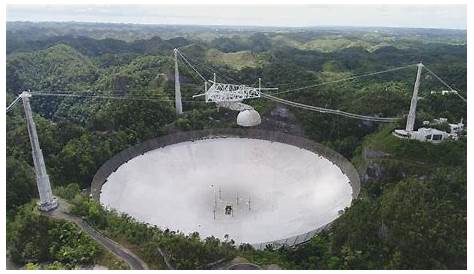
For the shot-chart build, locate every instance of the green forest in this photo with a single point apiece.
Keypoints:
(412, 210)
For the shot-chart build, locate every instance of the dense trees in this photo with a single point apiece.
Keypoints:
(430, 233)
(21, 185)
(34, 238)
(59, 67)
(184, 251)
(79, 158)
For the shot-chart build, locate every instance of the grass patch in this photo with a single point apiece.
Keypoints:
(236, 60)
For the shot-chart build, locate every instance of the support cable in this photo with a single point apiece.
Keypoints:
(10, 107)
(227, 77)
(42, 93)
(212, 69)
(445, 84)
(344, 79)
(331, 111)
(186, 60)
(193, 75)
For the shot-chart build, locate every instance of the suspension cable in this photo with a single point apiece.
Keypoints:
(220, 74)
(212, 70)
(42, 93)
(331, 111)
(224, 76)
(10, 107)
(186, 60)
(193, 75)
(94, 93)
(445, 84)
(344, 79)
(319, 109)
(314, 80)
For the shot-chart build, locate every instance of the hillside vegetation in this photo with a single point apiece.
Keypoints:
(235, 60)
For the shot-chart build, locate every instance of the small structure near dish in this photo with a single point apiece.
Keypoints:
(426, 133)
(432, 135)
(444, 92)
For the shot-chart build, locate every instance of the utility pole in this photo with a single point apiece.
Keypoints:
(412, 114)
(177, 87)
(47, 201)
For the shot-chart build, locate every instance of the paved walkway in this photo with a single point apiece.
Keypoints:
(118, 250)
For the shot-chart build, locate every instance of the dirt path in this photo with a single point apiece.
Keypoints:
(123, 253)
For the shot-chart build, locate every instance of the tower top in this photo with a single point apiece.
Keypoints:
(25, 94)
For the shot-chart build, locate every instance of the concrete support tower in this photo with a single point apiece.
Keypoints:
(414, 99)
(47, 201)
(177, 87)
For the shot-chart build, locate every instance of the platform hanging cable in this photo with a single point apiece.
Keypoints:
(221, 74)
(344, 79)
(224, 76)
(133, 98)
(326, 110)
(10, 107)
(211, 69)
(336, 111)
(190, 65)
(331, 111)
(445, 84)
(319, 109)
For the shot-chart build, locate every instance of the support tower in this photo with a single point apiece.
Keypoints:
(47, 201)
(177, 87)
(414, 99)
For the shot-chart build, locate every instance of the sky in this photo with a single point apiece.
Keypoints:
(415, 16)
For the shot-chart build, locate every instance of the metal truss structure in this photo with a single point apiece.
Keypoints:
(220, 92)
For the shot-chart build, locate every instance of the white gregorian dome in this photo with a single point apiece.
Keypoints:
(248, 118)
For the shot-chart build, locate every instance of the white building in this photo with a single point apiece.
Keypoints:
(426, 133)
(432, 135)
(444, 92)
(456, 128)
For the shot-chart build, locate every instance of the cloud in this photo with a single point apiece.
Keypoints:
(427, 16)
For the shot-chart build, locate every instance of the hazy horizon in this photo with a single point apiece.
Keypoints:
(232, 26)
(288, 16)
